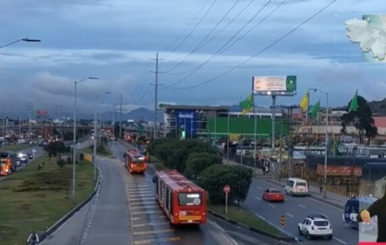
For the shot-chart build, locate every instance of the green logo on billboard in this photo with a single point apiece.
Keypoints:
(291, 83)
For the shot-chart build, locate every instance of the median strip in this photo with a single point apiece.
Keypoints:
(35, 197)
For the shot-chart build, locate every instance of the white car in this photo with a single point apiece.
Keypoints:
(315, 225)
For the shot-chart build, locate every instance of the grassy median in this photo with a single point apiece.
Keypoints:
(17, 147)
(103, 151)
(38, 196)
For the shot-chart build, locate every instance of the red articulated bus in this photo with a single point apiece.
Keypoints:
(135, 162)
(182, 201)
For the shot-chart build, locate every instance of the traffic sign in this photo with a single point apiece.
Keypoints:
(227, 189)
(282, 220)
(267, 166)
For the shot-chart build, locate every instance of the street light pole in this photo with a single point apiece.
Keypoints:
(74, 134)
(325, 140)
(21, 40)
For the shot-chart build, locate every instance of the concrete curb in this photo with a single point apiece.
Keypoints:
(264, 233)
(47, 233)
(311, 196)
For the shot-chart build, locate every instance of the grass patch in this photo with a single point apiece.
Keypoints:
(157, 163)
(243, 216)
(39, 195)
(17, 147)
(105, 152)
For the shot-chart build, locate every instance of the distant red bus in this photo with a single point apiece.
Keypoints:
(183, 202)
(135, 162)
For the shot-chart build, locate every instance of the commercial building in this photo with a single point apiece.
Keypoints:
(213, 121)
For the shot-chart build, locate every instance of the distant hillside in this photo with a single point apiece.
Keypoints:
(137, 114)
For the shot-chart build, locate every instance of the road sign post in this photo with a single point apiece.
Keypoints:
(226, 189)
(282, 221)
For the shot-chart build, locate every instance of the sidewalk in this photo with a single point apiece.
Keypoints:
(333, 199)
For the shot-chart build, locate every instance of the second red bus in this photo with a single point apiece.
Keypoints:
(182, 201)
(135, 162)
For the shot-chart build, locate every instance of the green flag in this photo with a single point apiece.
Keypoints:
(354, 103)
(315, 109)
(247, 104)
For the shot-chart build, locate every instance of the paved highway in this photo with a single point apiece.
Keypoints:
(158, 230)
(295, 209)
(105, 220)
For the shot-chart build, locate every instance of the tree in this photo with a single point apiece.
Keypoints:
(214, 178)
(116, 129)
(198, 162)
(174, 153)
(362, 120)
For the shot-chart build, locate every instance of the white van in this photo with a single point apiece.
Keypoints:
(296, 187)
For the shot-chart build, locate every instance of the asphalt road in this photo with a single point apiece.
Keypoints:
(105, 220)
(214, 232)
(295, 209)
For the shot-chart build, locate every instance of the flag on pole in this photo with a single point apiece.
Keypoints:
(304, 102)
(353, 103)
(315, 109)
(247, 104)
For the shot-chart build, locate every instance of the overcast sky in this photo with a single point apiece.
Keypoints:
(199, 42)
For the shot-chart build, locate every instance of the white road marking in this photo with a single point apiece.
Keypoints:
(301, 206)
(290, 215)
(315, 200)
(271, 205)
(336, 239)
(258, 187)
(258, 198)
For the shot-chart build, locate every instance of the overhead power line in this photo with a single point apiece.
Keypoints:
(191, 31)
(206, 37)
(216, 35)
(223, 48)
(264, 49)
(186, 28)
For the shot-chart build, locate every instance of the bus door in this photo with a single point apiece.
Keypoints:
(351, 211)
(191, 207)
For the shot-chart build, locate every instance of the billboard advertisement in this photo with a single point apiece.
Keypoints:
(369, 34)
(274, 85)
(186, 121)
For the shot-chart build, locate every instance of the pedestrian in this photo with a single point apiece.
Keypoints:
(33, 239)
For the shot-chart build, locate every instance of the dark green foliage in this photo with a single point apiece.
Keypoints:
(214, 178)
(174, 153)
(362, 120)
(61, 163)
(56, 147)
(100, 149)
(198, 162)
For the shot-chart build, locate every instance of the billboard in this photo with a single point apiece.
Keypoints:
(186, 121)
(369, 34)
(164, 105)
(274, 85)
(42, 114)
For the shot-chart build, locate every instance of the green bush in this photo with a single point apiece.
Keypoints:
(61, 163)
(214, 178)
(198, 162)
(174, 153)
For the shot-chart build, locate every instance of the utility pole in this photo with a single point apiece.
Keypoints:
(114, 120)
(290, 123)
(120, 116)
(156, 86)
(30, 108)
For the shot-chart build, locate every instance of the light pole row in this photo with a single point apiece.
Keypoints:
(325, 140)
(75, 129)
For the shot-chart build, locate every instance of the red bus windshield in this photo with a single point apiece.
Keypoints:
(189, 199)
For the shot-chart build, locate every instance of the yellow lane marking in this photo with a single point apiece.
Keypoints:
(144, 207)
(155, 241)
(141, 218)
(152, 232)
(151, 224)
(147, 212)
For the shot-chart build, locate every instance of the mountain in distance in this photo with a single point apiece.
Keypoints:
(136, 114)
